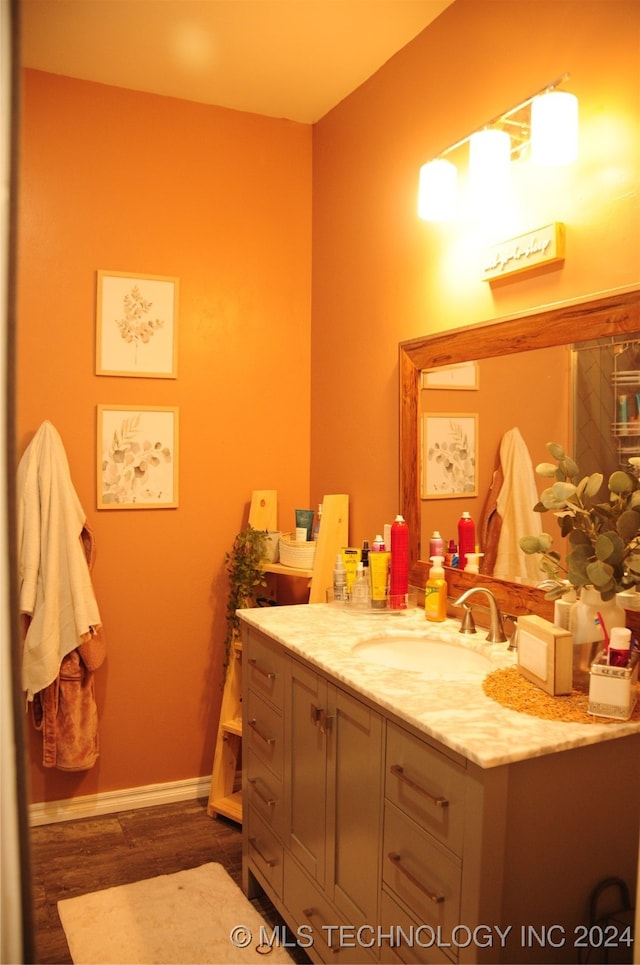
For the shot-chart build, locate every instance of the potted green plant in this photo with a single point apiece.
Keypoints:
(604, 535)
(246, 578)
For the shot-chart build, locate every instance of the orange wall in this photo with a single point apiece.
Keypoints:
(117, 180)
(381, 275)
(125, 181)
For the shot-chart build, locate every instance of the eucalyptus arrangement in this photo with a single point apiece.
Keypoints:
(604, 535)
(246, 578)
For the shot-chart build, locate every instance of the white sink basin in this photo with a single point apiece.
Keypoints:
(421, 655)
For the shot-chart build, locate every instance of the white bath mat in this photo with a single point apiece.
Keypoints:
(195, 916)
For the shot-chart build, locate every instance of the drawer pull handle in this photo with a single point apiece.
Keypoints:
(398, 771)
(270, 862)
(265, 673)
(397, 861)
(269, 801)
(268, 740)
(309, 915)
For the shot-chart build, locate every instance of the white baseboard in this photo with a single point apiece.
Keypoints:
(92, 805)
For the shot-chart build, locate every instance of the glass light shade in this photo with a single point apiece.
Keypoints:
(554, 128)
(437, 190)
(489, 168)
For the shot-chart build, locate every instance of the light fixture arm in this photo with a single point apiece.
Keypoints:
(506, 115)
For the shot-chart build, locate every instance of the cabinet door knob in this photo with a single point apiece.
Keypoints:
(325, 722)
(253, 724)
(396, 859)
(398, 771)
(320, 716)
(265, 673)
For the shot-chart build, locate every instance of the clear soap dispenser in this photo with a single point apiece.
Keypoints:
(360, 593)
(339, 579)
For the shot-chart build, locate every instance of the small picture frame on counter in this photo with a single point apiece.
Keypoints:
(545, 655)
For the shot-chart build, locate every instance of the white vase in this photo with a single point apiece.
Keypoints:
(587, 632)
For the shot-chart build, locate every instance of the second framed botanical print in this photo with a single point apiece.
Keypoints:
(449, 455)
(137, 452)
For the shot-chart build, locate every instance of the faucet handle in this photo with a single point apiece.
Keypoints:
(467, 624)
(496, 632)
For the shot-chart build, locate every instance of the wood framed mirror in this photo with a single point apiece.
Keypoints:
(601, 316)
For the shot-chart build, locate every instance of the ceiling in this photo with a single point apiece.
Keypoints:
(284, 58)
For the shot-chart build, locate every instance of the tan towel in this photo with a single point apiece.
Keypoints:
(516, 499)
(54, 583)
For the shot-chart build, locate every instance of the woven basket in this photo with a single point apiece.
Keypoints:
(296, 554)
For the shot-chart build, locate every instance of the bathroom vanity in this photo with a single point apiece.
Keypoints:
(401, 815)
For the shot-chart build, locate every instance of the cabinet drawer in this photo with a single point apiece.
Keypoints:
(265, 793)
(262, 732)
(333, 940)
(420, 872)
(426, 785)
(412, 943)
(264, 668)
(264, 850)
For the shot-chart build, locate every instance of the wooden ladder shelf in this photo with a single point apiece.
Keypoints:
(225, 796)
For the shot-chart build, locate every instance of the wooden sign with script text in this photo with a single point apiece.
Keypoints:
(540, 247)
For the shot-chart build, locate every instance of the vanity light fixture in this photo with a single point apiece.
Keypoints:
(544, 125)
(489, 167)
(437, 194)
(554, 128)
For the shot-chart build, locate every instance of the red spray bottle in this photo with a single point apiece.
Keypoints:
(399, 581)
(466, 539)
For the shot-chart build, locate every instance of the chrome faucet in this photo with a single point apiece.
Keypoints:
(496, 632)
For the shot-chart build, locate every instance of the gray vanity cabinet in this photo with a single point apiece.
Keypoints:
(322, 869)
(356, 819)
(266, 819)
(333, 747)
(424, 821)
(334, 783)
(354, 788)
(308, 736)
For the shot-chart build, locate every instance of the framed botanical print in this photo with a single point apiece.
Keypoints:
(136, 325)
(449, 455)
(137, 457)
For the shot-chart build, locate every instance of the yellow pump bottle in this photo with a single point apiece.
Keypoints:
(435, 592)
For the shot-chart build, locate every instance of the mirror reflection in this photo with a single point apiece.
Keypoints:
(518, 403)
(503, 400)
(565, 375)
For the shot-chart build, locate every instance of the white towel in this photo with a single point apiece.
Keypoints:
(54, 584)
(516, 499)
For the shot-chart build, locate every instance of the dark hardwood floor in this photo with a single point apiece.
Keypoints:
(75, 857)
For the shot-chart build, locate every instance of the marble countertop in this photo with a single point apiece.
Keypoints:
(452, 708)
